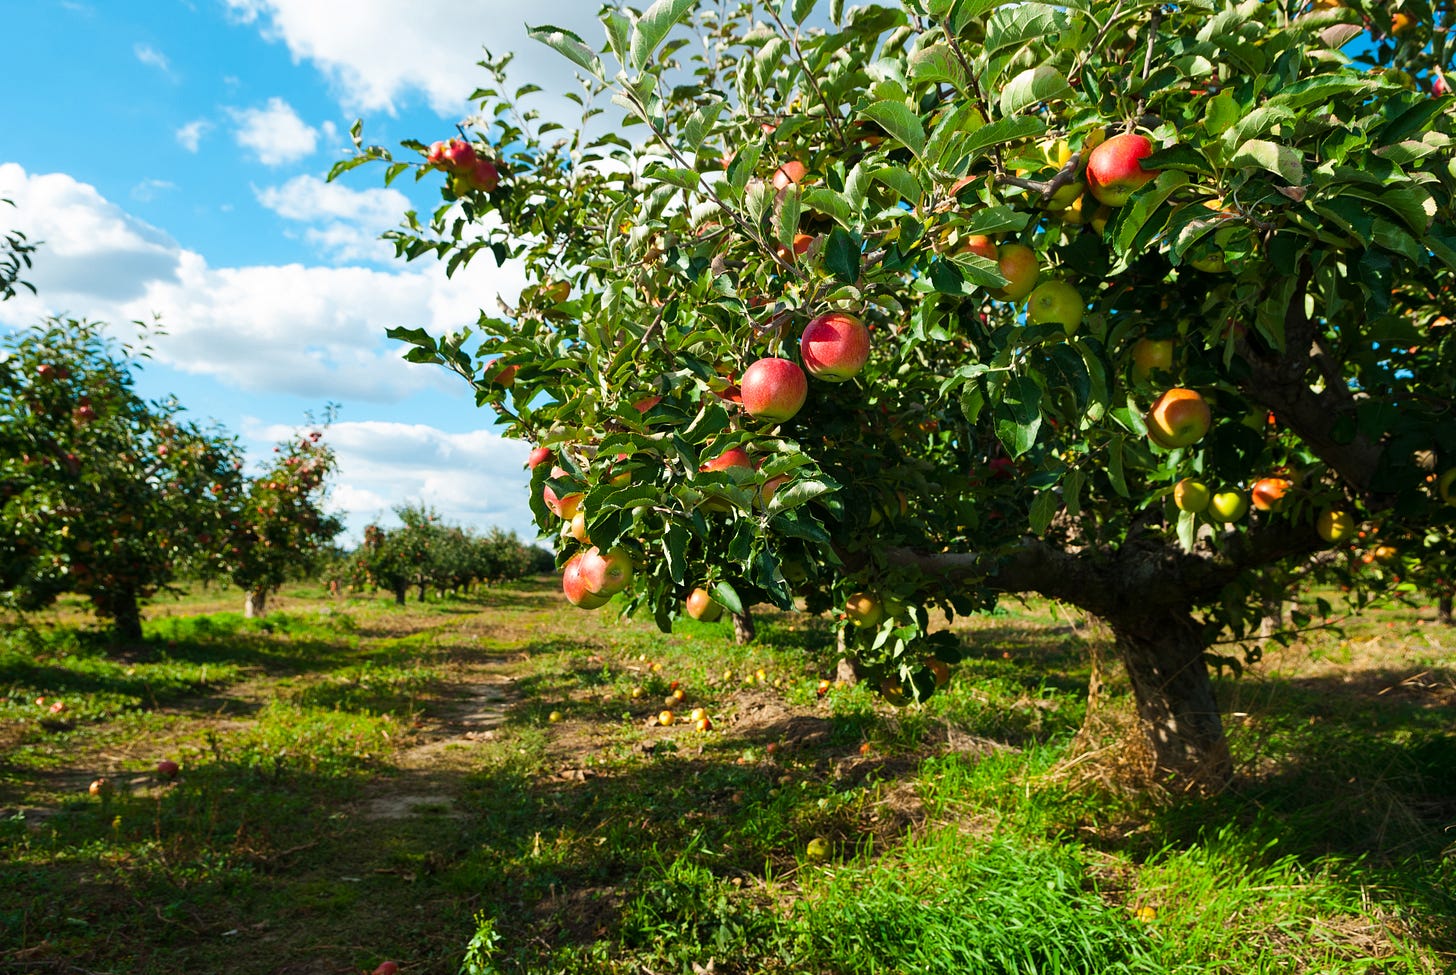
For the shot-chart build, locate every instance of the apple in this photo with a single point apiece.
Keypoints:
(1019, 266)
(823, 688)
(982, 246)
(1386, 554)
(1268, 492)
(1149, 355)
(704, 723)
(792, 171)
(1191, 494)
(436, 155)
(555, 717)
(701, 606)
(538, 457)
(504, 376)
(101, 787)
(1446, 486)
(1055, 302)
(834, 346)
(168, 769)
(564, 507)
(387, 968)
(1065, 196)
(818, 849)
(773, 389)
(664, 718)
(940, 669)
(578, 527)
(802, 242)
(458, 155)
(1228, 506)
(556, 291)
(864, 610)
(605, 574)
(729, 459)
(1115, 169)
(1178, 418)
(575, 588)
(1335, 526)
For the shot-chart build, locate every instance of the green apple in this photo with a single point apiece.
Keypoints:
(1056, 302)
(1228, 506)
(1191, 494)
(1149, 355)
(864, 610)
(1335, 526)
(1446, 487)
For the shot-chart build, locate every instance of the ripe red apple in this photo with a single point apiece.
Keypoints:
(562, 507)
(982, 246)
(436, 155)
(1018, 265)
(1055, 302)
(387, 968)
(701, 606)
(1268, 492)
(792, 171)
(504, 376)
(1151, 354)
(802, 243)
(605, 573)
(538, 457)
(484, 175)
(728, 459)
(835, 346)
(1191, 494)
(1115, 169)
(1178, 418)
(168, 769)
(458, 155)
(773, 389)
(575, 588)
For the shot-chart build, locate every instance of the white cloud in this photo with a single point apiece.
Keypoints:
(189, 137)
(303, 330)
(346, 223)
(147, 54)
(376, 58)
(149, 189)
(476, 478)
(275, 133)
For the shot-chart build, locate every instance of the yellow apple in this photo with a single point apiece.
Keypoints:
(1228, 506)
(1191, 494)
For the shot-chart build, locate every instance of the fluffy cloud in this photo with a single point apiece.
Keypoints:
(345, 223)
(293, 329)
(189, 137)
(275, 133)
(475, 478)
(375, 58)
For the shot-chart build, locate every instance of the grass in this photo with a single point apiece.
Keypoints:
(362, 781)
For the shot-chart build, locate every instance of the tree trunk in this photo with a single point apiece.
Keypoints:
(422, 592)
(1164, 659)
(126, 616)
(1443, 610)
(255, 604)
(400, 592)
(744, 630)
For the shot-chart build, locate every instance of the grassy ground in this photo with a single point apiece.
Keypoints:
(362, 782)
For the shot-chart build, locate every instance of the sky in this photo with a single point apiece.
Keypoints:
(169, 158)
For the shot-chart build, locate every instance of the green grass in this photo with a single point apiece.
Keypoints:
(363, 781)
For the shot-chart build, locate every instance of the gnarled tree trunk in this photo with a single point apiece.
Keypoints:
(255, 604)
(1163, 655)
(744, 630)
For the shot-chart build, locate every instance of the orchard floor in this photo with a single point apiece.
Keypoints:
(362, 782)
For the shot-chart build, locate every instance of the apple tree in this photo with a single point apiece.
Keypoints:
(279, 525)
(16, 252)
(912, 306)
(102, 493)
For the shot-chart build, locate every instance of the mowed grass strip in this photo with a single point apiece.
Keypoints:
(362, 781)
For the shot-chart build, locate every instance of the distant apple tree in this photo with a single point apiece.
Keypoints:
(1087, 252)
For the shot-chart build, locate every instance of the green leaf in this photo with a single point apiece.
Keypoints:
(1115, 471)
(1043, 509)
(1072, 491)
(653, 26)
(831, 203)
(936, 64)
(842, 255)
(1187, 529)
(796, 524)
(899, 121)
(619, 33)
(1283, 161)
(726, 595)
(902, 182)
(569, 45)
(1032, 87)
(1002, 132)
(1018, 414)
(800, 492)
(1014, 24)
(1223, 110)
(801, 9)
(787, 219)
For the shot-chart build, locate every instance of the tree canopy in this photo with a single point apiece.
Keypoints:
(1121, 268)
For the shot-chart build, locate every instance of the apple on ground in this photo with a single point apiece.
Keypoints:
(101, 787)
(834, 346)
(1178, 418)
(387, 968)
(701, 606)
(818, 849)
(555, 717)
(773, 389)
(1055, 302)
(1018, 264)
(665, 718)
(168, 769)
(1335, 526)
(1228, 506)
(1149, 355)
(1268, 492)
(864, 609)
(1191, 494)
(1115, 169)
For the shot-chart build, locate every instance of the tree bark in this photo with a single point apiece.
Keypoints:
(744, 630)
(399, 595)
(255, 604)
(126, 615)
(1443, 610)
(1163, 655)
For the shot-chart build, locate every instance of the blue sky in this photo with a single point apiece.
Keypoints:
(170, 158)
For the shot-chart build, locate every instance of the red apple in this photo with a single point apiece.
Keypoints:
(802, 242)
(1115, 169)
(1019, 266)
(1149, 355)
(773, 389)
(1268, 492)
(575, 588)
(538, 457)
(1178, 418)
(792, 171)
(484, 175)
(458, 155)
(387, 968)
(835, 346)
(504, 376)
(605, 573)
(730, 458)
(982, 246)
(701, 606)
(168, 769)
(562, 507)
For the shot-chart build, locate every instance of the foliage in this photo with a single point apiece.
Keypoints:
(15, 259)
(1292, 240)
